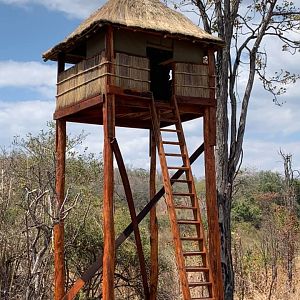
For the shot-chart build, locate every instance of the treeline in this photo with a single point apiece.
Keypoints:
(265, 218)
(265, 222)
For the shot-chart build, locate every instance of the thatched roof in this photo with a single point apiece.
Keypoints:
(142, 14)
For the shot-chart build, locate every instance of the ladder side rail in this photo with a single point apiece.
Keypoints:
(170, 204)
(195, 201)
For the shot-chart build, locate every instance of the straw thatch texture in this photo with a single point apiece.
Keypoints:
(88, 78)
(84, 80)
(192, 80)
(144, 14)
(132, 72)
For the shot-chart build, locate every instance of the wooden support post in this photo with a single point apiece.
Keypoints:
(153, 223)
(108, 214)
(59, 262)
(212, 206)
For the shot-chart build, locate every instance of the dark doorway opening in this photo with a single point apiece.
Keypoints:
(160, 71)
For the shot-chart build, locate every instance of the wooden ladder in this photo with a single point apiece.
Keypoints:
(183, 208)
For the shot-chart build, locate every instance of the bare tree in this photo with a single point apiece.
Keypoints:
(291, 230)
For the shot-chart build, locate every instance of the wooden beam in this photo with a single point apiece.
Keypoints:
(212, 95)
(92, 270)
(59, 261)
(60, 64)
(153, 223)
(132, 211)
(73, 109)
(212, 209)
(109, 53)
(182, 100)
(211, 74)
(108, 213)
(128, 123)
(108, 207)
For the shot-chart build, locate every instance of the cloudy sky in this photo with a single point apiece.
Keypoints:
(27, 89)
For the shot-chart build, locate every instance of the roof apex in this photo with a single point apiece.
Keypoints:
(150, 15)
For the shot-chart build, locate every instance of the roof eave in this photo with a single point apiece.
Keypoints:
(52, 54)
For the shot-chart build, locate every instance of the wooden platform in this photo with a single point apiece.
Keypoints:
(132, 109)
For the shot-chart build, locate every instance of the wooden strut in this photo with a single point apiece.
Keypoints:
(211, 189)
(108, 209)
(212, 207)
(153, 223)
(108, 190)
(92, 270)
(134, 221)
(59, 261)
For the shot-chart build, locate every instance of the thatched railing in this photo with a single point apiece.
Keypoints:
(192, 80)
(89, 77)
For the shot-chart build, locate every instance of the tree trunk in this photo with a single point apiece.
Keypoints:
(225, 229)
(224, 180)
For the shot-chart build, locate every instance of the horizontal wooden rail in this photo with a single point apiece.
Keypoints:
(195, 86)
(92, 270)
(95, 67)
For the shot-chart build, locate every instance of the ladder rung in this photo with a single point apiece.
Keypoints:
(178, 168)
(184, 194)
(193, 253)
(188, 222)
(196, 269)
(189, 238)
(181, 180)
(174, 154)
(185, 207)
(169, 130)
(194, 284)
(171, 143)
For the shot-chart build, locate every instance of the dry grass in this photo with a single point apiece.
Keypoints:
(281, 291)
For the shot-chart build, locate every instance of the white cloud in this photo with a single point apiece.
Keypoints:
(33, 75)
(19, 118)
(264, 155)
(74, 8)
(270, 119)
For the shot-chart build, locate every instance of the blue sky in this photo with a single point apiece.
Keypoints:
(27, 88)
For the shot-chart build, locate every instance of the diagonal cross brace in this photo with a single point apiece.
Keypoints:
(93, 268)
(134, 222)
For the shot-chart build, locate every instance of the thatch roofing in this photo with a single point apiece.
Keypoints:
(150, 15)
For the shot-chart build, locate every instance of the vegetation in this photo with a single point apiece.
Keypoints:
(27, 217)
(265, 222)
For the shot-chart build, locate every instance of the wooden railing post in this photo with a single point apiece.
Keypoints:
(59, 276)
